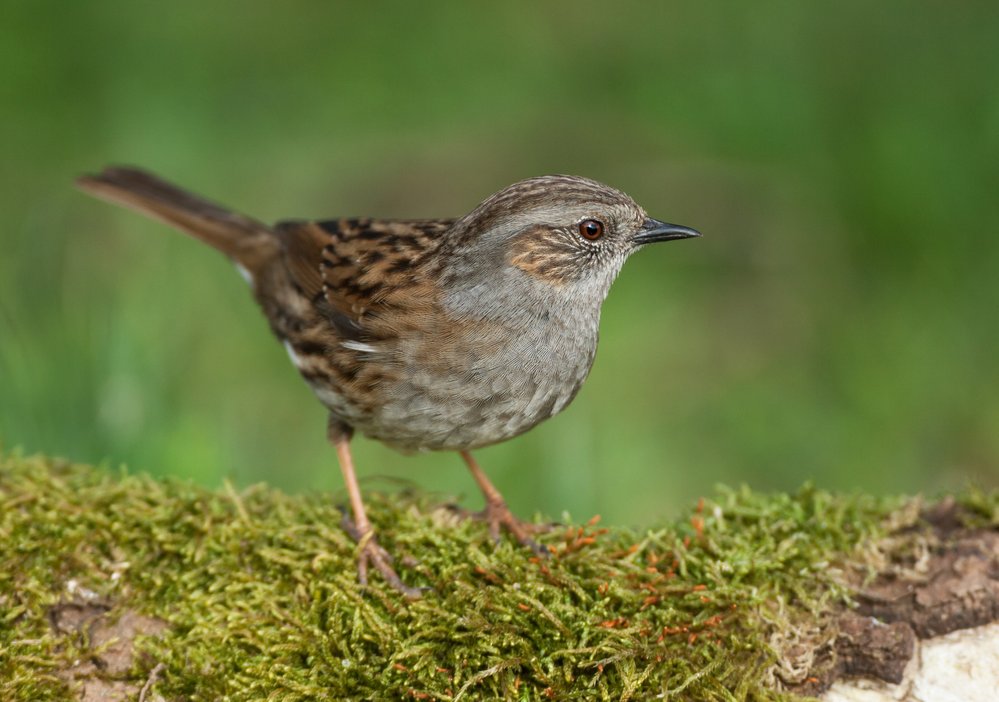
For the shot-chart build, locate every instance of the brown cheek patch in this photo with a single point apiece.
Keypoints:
(543, 254)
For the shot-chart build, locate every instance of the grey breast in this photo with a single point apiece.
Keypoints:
(487, 382)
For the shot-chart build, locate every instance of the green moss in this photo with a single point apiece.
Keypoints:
(260, 594)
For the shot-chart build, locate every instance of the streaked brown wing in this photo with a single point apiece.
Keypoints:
(302, 244)
(352, 268)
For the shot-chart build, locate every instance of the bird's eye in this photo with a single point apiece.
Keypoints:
(591, 229)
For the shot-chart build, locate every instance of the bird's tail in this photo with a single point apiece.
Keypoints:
(246, 241)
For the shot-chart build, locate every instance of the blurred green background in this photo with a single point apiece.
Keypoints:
(838, 322)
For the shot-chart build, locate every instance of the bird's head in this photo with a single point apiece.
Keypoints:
(564, 231)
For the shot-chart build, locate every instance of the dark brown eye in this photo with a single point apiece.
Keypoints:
(591, 229)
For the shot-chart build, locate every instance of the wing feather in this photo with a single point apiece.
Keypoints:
(352, 269)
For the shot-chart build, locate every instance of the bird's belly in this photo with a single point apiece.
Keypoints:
(481, 393)
(470, 393)
(463, 412)
(449, 409)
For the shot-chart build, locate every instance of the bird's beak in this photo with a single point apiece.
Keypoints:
(654, 230)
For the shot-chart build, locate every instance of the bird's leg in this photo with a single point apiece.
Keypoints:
(497, 514)
(369, 552)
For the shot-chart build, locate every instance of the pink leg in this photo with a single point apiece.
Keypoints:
(369, 552)
(497, 514)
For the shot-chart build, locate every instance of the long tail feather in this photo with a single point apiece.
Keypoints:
(247, 241)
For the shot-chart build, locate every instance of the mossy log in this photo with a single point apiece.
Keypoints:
(116, 586)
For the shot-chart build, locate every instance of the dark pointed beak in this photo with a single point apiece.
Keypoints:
(654, 230)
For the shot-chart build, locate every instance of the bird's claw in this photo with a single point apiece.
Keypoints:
(497, 516)
(370, 553)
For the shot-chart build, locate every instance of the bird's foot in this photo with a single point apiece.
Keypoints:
(371, 554)
(497, 516)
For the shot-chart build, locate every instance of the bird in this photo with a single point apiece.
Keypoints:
(427, 334)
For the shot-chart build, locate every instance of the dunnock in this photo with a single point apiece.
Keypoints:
(446, 334)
